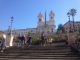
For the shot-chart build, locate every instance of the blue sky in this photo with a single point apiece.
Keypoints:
(25, 12)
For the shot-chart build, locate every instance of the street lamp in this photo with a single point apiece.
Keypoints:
(11, 36)
(68, 14)
(11, 23)
(45, 19)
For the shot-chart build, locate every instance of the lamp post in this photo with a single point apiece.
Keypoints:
(11, 36)
(45, 19)
(68, 14)
(11, 24)
(69, 29)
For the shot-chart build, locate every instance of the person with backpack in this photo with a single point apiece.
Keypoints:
(29, 40)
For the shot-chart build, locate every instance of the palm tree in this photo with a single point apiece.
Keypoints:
(73, 13)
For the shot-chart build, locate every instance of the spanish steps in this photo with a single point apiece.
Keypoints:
(48, 52)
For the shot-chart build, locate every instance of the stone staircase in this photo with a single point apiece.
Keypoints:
(39, 52)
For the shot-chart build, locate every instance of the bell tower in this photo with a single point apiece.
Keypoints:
(51, 18)
(51, 23)
(41, 20)
(51, 15)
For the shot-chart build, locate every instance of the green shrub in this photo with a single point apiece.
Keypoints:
(36, 42)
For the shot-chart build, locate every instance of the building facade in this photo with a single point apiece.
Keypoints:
(68, 26)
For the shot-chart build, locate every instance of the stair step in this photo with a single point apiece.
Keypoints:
(42, 59)
(63, 50)
(39, 57)
(40, 47)
(39, 52)
(32, 57)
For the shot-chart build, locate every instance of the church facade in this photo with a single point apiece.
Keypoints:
(45, 25)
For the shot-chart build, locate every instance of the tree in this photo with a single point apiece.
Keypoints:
(60, 29)
(73, 13)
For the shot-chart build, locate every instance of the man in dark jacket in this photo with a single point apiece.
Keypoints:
(29, 40)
